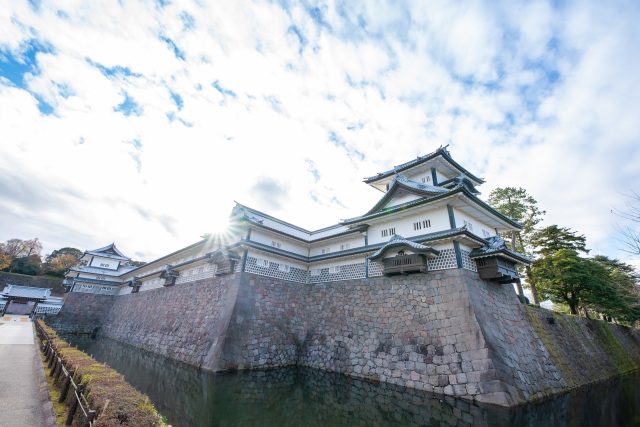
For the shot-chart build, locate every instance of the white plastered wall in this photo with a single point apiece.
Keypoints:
(478, 226)
(285, 244)
(439, 218)
(336, 245)
(110, 264)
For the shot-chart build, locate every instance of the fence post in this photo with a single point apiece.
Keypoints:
(74, 405)
(56, 362)
(57, 372)
(91, 415)
(53, 355)
(65, 387)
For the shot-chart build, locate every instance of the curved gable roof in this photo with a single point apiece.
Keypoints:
(440, 152)
(109, 251)
(400, 182)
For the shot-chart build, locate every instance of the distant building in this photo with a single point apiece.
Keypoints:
(101, 273)
(429, 218)
(16, 299)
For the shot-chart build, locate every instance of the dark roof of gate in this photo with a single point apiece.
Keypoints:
(26, 292)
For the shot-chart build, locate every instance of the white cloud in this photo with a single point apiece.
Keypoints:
(533, 95)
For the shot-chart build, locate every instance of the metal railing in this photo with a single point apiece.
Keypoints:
(56, 365)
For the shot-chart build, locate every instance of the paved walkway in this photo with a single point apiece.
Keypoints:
(24, 398)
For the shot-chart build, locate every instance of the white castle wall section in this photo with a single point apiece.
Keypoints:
(107, 263)
(336, 245)
(467, 262)
(270, 266)
(279, 242)
(375, 269)
(442, 177)
(404, 226)
(477, 226)
(354, 268)
(197, 271)
(446, 260)
(422, 177)
(402, 199)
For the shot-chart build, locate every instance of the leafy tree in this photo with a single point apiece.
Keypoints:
(624, 302)
(516, 203)
(564, 277)
(4, 259)
(16, 248)
(60, 260)
(26, 265)
(76, 253)
(629, 236)
(551, 239)
(547, 241)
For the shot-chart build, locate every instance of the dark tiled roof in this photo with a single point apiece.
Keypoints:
(496, 245)
(26, 292)
(419, 186)
(400, 182)
(398, 241)
(442, 151)
(424, 200)
(109, 251)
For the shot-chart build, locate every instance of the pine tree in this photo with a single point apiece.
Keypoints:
(516, 203)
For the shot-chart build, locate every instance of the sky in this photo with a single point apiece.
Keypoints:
(141, 122)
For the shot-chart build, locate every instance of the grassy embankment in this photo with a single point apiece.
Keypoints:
(115, 400)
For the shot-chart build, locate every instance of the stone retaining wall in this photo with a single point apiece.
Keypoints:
(187, 322)
(82, 313)
(446, 332)
(585, 350)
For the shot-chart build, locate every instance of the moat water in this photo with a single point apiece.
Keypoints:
(188, 397)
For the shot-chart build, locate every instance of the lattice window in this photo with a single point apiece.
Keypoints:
(294, 274)
(284, 267)
(340, 272)
(446, 259)
(375, 268)
(467, 262)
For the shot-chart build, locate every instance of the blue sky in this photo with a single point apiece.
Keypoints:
(141, 122)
